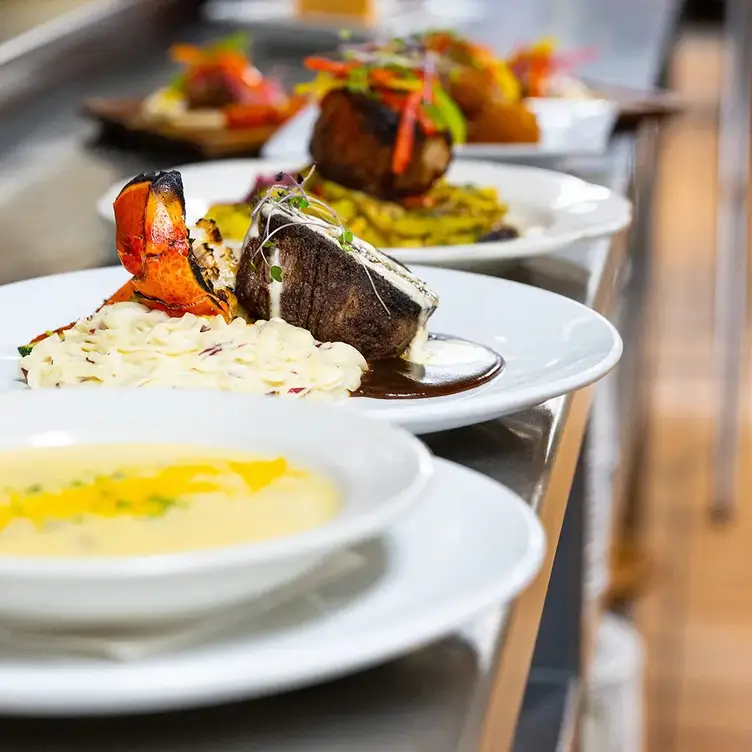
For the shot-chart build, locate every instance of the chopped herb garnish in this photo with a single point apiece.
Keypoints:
(299, 202)
(162, 503)
(24, 350)
(276, 273)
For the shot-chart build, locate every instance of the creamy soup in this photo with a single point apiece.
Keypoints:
(141, 499)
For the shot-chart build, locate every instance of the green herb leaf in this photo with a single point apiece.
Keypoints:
(24, 350)
(348, 237)
(161, 503)
(449, 114)
(276, 273)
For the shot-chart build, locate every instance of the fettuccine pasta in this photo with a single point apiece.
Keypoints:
(129, 345)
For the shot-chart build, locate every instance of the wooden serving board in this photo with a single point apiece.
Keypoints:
(125, 115)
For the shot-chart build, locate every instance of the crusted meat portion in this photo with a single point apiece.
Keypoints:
(353, 141)
(356, 295)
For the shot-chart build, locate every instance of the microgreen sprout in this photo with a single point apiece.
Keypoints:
(295, 197)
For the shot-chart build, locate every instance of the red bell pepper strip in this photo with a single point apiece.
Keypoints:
(403, 145)
(335, 67)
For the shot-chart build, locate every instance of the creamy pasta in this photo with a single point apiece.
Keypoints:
(127, 344)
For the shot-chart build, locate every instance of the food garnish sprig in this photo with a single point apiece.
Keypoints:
(404, 81)
(293, 194)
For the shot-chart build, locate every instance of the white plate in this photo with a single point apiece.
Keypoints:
(380, 470)
(471, 545)
(552, 209)
(568, 127)
(551, 344)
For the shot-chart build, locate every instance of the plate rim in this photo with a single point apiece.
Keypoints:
(487, 404)
(350, 657)
(619, 216)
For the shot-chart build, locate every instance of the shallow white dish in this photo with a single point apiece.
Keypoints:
(553, 210)
(568, 127)
(551, 344)
(472, 544)
(380, 470)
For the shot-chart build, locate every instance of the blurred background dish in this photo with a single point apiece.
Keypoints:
(218, 103)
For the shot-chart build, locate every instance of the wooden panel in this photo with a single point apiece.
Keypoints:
(697, 614)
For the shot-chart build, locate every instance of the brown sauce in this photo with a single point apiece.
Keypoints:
(396, 378)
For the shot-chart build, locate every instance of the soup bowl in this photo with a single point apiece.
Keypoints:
(379, 471)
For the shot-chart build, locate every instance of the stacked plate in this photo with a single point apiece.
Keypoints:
(122, 634)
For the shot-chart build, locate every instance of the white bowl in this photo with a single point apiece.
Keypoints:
(381, 469)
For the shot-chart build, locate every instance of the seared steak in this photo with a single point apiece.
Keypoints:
(355, 294)
(352, 145)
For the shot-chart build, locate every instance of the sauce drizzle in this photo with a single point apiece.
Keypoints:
(470, 366)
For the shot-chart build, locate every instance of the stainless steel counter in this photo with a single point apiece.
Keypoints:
(462, 693)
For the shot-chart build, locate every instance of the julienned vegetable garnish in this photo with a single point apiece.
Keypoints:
(491, 90)
(407, 86)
